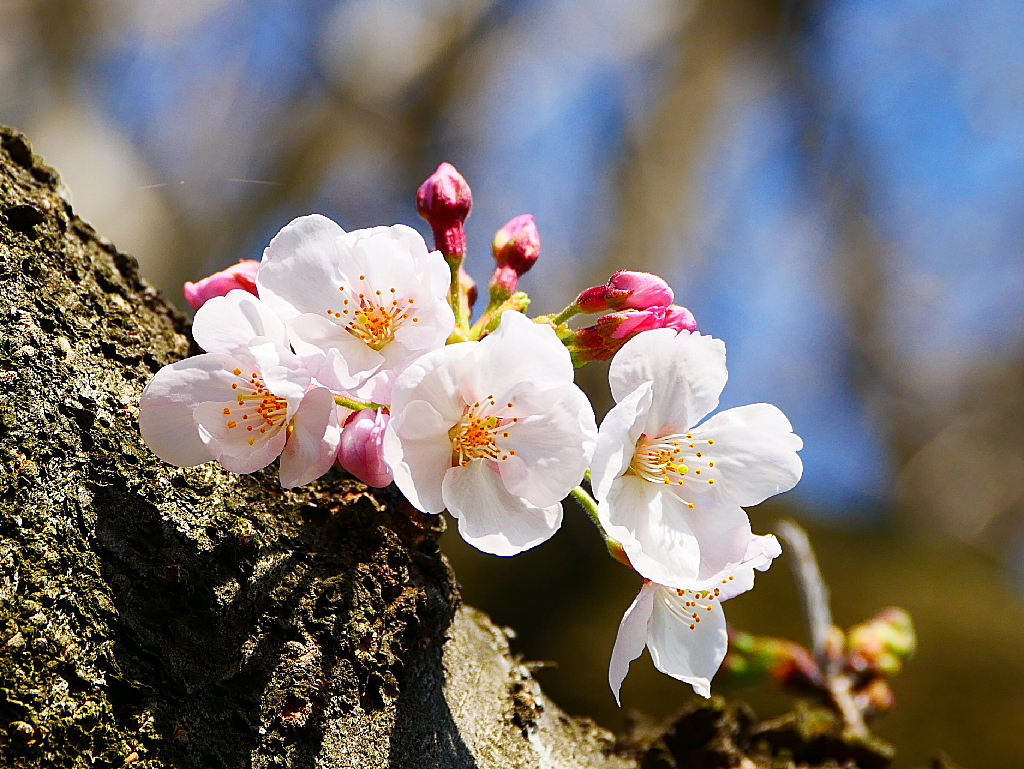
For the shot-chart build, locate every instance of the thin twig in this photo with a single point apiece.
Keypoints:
(819, 619)
(813, 590)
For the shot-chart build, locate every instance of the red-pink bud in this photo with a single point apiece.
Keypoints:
(679, 318)
(517, 244)
(444, 198)
(516, 247)
(642, 290)
(606, 337)
(362, 447)
(626, 290)
(241, 275)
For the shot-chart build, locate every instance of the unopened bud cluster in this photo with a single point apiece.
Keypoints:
(868, 655)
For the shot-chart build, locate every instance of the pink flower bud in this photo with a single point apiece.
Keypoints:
(444, 197)
(626, 290)
(361, 451)
(444, 200)
(606, 337)
(517, 244)
(679, 318)
(516, 247)
(241, 275)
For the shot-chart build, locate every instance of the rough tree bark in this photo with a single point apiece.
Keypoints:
(191, 618)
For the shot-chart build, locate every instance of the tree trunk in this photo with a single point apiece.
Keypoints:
(158, 616)
(192, 618)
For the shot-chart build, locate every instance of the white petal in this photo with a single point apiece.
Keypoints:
(230, 445)
(692, 656)
(281, 370)
(439, 275)
(722, 530)
(653, 528)
(389, 257)
(552, 449)
(313, 439)
(377, 389)
(763, 549)
(754, 453)
(165, 411)
(491, 519)
(518, 351)
(436, 321)
(435, 378)
(419, 452)
(632, 636)
(617, 439)
(225, 323)
(687, 370)
(738, 578)
(339, 359)
(300, 271)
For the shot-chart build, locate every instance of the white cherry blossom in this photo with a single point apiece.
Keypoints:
(671, 490)
(495, 431)
(684, 629)
(360, 305)
(243, 403)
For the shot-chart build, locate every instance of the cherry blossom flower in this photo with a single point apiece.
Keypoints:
(245, 402)
(684, 629)
(672, 491)
(362, 447)
(359, 304)
(495, 431)
(241, 275)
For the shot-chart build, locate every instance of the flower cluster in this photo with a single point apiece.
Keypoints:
(359, 348)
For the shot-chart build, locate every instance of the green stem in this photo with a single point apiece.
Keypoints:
(455, 295)
(589, 505)
(357, 405)
(569, 312)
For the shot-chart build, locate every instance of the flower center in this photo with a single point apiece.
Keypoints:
(373, 317)
(688, 605)
(670, 458)
(475, 436)
(259, 410)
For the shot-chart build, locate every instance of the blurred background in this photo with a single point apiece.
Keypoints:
(835, 188)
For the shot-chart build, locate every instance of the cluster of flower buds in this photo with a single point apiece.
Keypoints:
(880, 645)
(606, 337)
(787, 663)
(340, 347)
(869, 655)
(635, 302)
